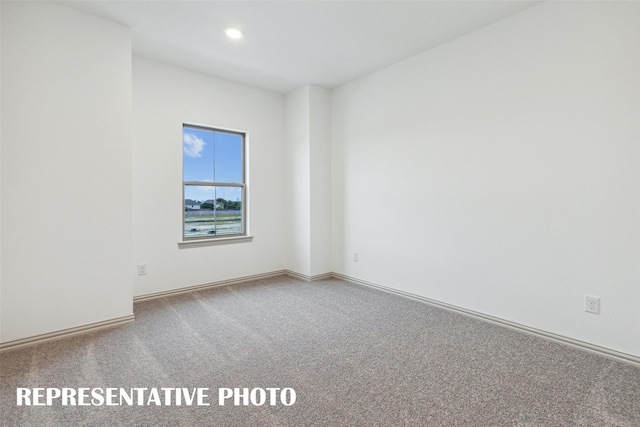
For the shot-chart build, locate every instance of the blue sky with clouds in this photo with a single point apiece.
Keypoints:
(212, 156)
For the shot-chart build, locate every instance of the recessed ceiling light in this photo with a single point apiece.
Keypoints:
(233, 33)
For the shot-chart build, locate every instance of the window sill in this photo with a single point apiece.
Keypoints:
(214, 242)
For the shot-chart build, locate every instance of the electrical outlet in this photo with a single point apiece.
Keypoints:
(142, 269)
(592, 304)
(355, 257)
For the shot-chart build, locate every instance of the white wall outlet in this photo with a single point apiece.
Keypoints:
(142, 269)
(355, 257)
(592, 304)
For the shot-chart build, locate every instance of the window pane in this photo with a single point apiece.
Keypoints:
(212, 211)
(228, 210)
(228, 157)
(198, 222)
(198, 151)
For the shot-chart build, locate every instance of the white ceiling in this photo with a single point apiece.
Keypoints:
(288, 44)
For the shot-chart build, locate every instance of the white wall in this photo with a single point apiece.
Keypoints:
(497, 172)
(308, 180)
(298, 181)
(500, 172)
(165, 97)
(66, 170)
(320, 179)
(0, 168)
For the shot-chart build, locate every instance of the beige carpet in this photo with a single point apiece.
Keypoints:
(354, 355)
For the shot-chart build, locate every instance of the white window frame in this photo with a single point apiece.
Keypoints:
(215, 239)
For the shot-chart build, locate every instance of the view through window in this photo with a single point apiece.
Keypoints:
(213, 182)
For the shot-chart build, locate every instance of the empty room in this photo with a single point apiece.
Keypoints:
(320, 213)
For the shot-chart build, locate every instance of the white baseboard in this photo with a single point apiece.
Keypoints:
(592, 348)
(208, 285)
(38, 339)
(90, 327)
(602, 351)
(308, 278)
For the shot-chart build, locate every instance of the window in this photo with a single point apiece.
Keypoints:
(214, 190)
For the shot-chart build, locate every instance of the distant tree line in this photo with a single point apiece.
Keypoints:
(223, 204)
